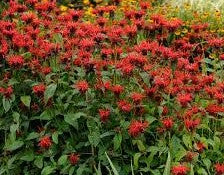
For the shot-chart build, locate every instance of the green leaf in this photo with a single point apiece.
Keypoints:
(112, 165)
(46, 115)
(47, 170)
(98, 171)
(39, 162)
(58, 38)
(150, 119)
(72, 118)
(15, 145)
(81, 169)
(140, 145)
(136, 158)
(192, 170)
(26, 100)
(6, 104)
(49, 92)
(32, 135)
(94, 138)
(71, 171)
(62, 160)
(187, 140)
(55, 137)
(207, 163)
(167, 167)
(28, 156)
(117, 141)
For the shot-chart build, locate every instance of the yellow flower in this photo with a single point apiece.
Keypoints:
(212, 56)
(98, 1)
(71, 5)
(177, 33)
(86, 2)
(184, 30)
(89, 11)
(63, 8)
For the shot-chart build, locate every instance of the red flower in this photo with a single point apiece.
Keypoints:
(200, 147)
(7, 92)
(16, 61)
(219, 168)
(167, 123)
(136, 127)
(45, 142)
(183, 99)
(39, 89)
(180, 170)
(221, 57)
(191, 124)
(190, 156)
(117, 89)
(137, 97)
(82, 86)
(104, 114)
(124, 106)
(46, 70)
(74, 158)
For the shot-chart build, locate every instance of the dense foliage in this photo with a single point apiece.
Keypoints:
(117, 91)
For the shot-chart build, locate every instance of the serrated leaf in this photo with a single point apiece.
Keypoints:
(49, 92)
(15, 145)
(46, 115)
(94, 138)
(207, 163)
(112, 165)
(117, 141)
(71, 170)
(47, 170)
(187, 140)
(39, 162)
(28, 156)
(55, 137)
(62, 160)
(72, 118)
(6, 104)
(32, 135)
(167, 167)
(136, 158)
(26, 100)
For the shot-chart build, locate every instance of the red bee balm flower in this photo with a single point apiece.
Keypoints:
(45, 142)
(82, 86)
(117, 89)
(180, 170)
(183, 99)
(136, 127)
(16, 61)
(74, 158)
(137, 97)
(39, 89)
(167, 123)
(7, 92)
(124, 106)
(104, 114)
(219, 168)
(200, 147)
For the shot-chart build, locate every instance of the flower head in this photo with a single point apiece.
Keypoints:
(45, 142)
(74, 158)
(136, 127)
(104, 114)
(82, 86)
(180, 170)
(219, 168)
